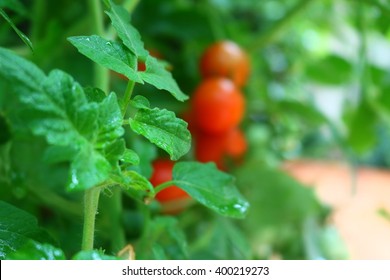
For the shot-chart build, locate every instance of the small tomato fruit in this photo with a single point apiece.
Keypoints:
(162, 172)
(217, 106)
(217, 148)
(225, 59)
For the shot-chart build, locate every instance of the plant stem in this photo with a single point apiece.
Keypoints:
(91, 201)
(101, 73)
(113, 206)
(127, 97)
(280, 26)
(163, 186)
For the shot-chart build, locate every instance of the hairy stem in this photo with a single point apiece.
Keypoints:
(113, 210)
(101, 75)
(91, 201)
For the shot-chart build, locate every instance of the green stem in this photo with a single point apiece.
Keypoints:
(127, 97)
(163, 186)
(129, 6)
(91, 201)
(101, 73)
(280, 26)
(113, 206)
(38, 20)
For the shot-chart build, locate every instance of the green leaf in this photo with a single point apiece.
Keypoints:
(130, 36)
(21, 35)
(147, 153)
(88, 169)
(109, 121)
(94, 94)
(130, 157)
(162, 128)
(158, 252)
(109, 54)
(134, 184)
(163, 239)
(330, 70)
(140, 102)
(57, 108)
(306, 112)
(17, 227)
(274, 188)
(60, 111)
(157, 75)
(32, 250)
(225, 240)
(211, 187)
(56, 154)
(20, 72)
(93, 255)
(115, 152)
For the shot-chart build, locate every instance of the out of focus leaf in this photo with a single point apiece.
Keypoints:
(211, 187)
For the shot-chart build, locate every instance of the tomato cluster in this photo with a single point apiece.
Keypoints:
(218, 105)
(217, 109)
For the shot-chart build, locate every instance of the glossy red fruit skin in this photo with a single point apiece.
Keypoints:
(225, 59)
(217, 106)
(162, 172)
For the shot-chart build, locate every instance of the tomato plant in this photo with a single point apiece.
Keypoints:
(82, 130)
(225, 59)
(240, 88)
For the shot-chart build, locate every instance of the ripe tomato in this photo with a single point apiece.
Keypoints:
(225, 59)
(235, 143)
(217, 105)
(210, 148)
(188, 116)
(216, 148)
(162, 172)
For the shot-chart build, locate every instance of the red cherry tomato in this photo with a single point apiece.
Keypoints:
(217, 105)
(162, 172)
(225, 59)
(210, 148)
(216, 148)
(235, 143)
